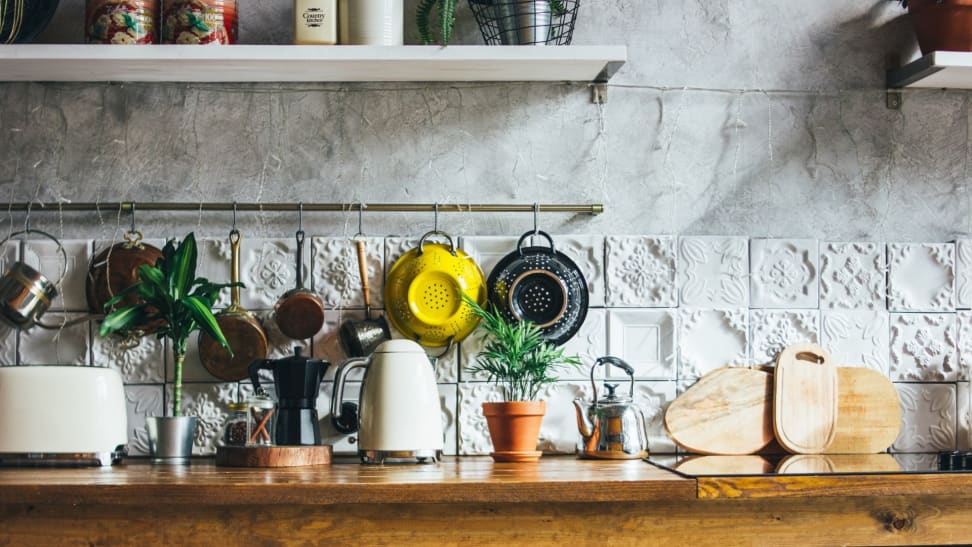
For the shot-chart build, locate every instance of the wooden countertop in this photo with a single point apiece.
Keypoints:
(553, 479)
(454, 480)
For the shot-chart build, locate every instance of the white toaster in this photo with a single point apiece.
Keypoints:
(61, 415)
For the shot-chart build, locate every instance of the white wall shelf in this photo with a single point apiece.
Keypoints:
(286, 63)
(938, 69)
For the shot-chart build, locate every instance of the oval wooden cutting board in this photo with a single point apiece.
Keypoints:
(728, 411)
(869, 412)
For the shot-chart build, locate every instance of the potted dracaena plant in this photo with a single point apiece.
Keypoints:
(517, 358)
(170, 293)
(504, 14)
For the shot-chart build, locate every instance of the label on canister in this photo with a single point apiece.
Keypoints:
(200, 22)
(121, 21)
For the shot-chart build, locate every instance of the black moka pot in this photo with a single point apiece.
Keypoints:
(297, 381)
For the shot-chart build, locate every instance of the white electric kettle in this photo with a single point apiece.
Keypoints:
(398, 414)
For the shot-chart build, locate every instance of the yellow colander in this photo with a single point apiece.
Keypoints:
(423, 292)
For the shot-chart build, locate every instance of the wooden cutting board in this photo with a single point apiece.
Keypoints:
(805, 399)
(728, 411)
(273, 456)
(868, 413)
(797, 464)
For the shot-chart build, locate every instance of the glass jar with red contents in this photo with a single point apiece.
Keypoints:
(199, 22)
(121, 21)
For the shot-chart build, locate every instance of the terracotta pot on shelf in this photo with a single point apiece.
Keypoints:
(514, 428)
(942, 25)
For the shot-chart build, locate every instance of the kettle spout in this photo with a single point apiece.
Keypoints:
(584, 424)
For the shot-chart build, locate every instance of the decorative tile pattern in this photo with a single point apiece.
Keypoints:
(336, 274)
(141, 402)
(473, 434)
(449, 400)
(214, 262)
(268, 268)
(773, 331)
(144, 363)
(43, 255)
(487, 251)
(923, 347)
(640, 272)
(713, 272)
(964, 319)
(588, 253)
(964, 422)
(857, 338)
(921, 277)
(646, 340)
(963, 274)
(710, 339)
(588, 344)
(558, 432)
(852, 276)
(653, 399)
(208, 402)
(9, 337)
(927, 418)
(65, 346)
(784, 273)
(395, 247)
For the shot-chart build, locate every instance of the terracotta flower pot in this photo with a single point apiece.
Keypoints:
(514, 428)
(942, 25)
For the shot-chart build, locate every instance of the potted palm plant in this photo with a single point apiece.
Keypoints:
(517, 358)
(170, 292)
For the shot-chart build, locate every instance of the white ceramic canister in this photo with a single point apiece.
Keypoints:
(372, 22)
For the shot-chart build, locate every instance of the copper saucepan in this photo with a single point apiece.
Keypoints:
(115, 269)
(243, 332)
(299, 312)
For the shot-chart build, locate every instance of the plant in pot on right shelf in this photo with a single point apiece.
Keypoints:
(502, 22)
(941, 25)
(517, 358)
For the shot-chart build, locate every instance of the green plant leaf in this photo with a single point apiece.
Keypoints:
(183, 268)
(121, 295)
(122, 319)
(423, 13)
(202, 314)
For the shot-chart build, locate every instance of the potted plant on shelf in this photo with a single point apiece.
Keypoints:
(502, 22)
(516, 358)
(941, 26)
(170, 292)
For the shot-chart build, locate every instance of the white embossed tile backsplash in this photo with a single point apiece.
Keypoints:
(674, 307)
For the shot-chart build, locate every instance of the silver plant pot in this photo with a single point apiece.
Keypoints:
(170, 438)
(523, 21)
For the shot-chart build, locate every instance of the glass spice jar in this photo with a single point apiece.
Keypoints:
(235, 430)
(260, 421)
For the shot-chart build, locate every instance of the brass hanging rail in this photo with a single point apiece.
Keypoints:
(127, 206)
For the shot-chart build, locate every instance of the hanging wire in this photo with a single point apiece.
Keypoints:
(435, 224)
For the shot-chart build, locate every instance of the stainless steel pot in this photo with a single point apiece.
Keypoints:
(25, 293)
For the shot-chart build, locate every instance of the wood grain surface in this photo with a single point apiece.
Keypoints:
(728, 411)
(473, 501)
(868, 412)
(273, 456)
(805, 399)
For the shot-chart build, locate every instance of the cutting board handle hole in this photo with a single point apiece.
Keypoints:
(810, 356)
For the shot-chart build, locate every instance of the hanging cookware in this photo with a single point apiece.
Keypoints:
(25, 293)
(242, 331)
(299, 312)
(360, 338)
(542, 285)
(115, 269)
(613, 427)
(423, 292)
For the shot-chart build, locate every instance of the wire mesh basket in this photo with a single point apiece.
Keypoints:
(525, 22)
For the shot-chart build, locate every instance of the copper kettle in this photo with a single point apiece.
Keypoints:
(613, 427)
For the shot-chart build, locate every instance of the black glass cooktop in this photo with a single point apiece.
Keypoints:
(691, 465)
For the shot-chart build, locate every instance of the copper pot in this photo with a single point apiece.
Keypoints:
(115, 269)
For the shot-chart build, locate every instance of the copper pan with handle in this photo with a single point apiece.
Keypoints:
(241, 328)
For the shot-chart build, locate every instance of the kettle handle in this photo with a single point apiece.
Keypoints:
(344, 416)
(614, 361)
(254, 372)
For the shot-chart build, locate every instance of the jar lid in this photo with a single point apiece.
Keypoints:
(258, 401)
(238, 407)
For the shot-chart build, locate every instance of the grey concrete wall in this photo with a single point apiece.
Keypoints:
(789, 135)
